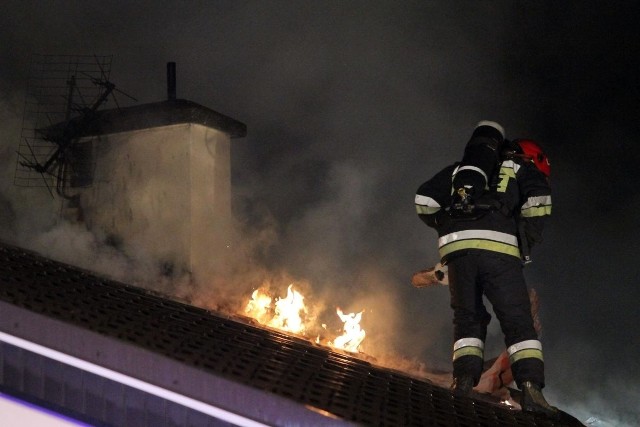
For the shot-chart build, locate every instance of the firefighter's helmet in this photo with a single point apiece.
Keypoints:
(531, 150)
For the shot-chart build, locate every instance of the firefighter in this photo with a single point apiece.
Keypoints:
(488, 211)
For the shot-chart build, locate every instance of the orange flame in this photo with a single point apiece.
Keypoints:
(353, 334)
(287, 312)
(290, 314)
(259, 306)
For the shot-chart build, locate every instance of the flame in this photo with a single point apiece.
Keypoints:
(259, 306)
(353, 334)
(290, 314)
(287, 312)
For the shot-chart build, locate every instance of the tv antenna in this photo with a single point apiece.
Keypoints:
(63, 97)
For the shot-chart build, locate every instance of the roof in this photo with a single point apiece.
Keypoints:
(259, 373)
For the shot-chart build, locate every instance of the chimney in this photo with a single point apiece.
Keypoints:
(161, 184)
(171, 81)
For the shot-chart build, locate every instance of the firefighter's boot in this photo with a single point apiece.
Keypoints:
(462, 386)
(534, 401)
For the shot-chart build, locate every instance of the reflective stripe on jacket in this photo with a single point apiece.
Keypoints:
(519, 189)
(478, 239)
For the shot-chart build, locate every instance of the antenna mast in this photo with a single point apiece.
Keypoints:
(64, 93)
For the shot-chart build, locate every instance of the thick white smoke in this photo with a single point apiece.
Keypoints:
(360, 101)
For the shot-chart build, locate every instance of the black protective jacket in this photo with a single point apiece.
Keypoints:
(509, 215)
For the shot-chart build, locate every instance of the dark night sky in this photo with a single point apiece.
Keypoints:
(351, 105)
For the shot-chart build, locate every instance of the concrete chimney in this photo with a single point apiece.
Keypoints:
(161, 184)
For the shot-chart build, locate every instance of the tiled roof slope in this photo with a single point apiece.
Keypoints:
(283, 366)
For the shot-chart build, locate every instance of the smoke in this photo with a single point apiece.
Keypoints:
(344, 133)
(31, 218)
(608, 400)
(24, 213)
(350, 106)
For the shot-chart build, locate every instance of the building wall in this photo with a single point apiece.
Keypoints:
(210, 202)
(163, 192)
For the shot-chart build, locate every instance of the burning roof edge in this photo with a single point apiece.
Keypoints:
(61, 356)
(163, 113)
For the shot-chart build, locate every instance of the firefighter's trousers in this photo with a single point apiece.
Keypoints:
(500, 278)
